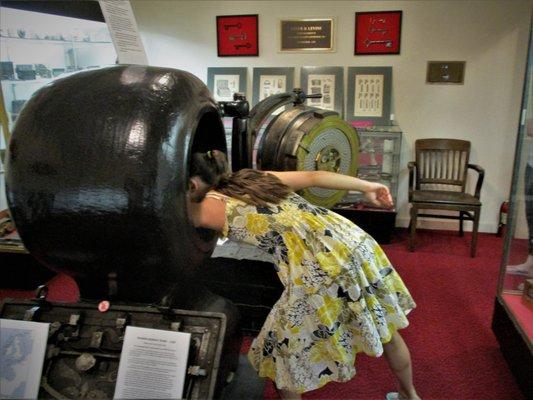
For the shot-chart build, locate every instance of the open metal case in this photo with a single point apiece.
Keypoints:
(513, 310)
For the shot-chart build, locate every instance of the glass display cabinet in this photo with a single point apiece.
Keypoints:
(513, 311)
(36, 48)
(379, 161)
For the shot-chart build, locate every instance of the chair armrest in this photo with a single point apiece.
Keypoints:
(411, 165)
(481, 176)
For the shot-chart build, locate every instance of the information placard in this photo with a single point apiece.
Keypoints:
(124, 32)
(153, 364)
(314, 34)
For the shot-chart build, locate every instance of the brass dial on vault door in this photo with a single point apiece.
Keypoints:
(328, 159)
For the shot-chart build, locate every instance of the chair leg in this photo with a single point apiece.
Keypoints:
(414, 214)
(461, 219)
(475, 226)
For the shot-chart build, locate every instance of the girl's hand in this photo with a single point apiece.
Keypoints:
(379, 195)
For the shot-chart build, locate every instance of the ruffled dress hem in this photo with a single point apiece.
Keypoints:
(394, 328)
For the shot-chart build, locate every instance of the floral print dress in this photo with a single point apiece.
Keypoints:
(342, 296)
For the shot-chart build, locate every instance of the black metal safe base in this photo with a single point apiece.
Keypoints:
(79, 328)
(378, 223)
(253, 286)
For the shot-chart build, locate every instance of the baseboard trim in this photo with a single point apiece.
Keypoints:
(445, 225)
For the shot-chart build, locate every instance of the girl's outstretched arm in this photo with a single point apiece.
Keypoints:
(377, 193)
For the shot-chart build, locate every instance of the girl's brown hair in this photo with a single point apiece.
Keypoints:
(249, 185)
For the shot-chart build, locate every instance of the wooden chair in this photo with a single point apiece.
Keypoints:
(437, 181)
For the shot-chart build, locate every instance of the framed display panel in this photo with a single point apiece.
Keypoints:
(224, 82)
(269, 81)
(307, 35)
(369, 94)
(237, 35)
(377, 32)
(446, 72)
(329, 81)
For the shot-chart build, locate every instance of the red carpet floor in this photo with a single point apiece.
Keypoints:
(455, 354)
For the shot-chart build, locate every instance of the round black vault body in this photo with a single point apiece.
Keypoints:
(97, 173)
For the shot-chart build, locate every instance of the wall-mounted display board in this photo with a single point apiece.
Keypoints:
(224, 82)
(237, 35)
(369, 94)
(378, 32)
(446, 72)
(328, 81)
(308, 34)
(269, 81)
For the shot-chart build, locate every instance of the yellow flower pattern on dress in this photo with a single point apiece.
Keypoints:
(313, 223)
(329, 312)
(256, 224)
(329, 263)
(286, 218)
(295, 247)
(342, 296)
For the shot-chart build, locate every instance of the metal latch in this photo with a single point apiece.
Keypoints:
(40, 297)
(32, 313)
(96, 339)
(72, 330)
(196, 370)
(175, 326)
(120, 325)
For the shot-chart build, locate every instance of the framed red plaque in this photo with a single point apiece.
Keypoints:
(378, 32)
(237, 35)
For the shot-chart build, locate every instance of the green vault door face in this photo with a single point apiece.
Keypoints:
(331, 145)
(308, 139)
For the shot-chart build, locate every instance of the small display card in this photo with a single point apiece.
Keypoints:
(122, 26)
(22, 350)
(153, 364)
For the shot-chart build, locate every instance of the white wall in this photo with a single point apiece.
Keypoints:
(491, 36)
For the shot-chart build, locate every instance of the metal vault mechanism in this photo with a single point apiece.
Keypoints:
(281, 133)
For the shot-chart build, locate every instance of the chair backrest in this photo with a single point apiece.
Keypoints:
(441, 164)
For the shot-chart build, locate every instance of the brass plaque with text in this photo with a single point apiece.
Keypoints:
(307, 35)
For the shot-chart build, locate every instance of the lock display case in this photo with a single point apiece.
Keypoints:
(379, 161)
(36, 48)
(512, 321)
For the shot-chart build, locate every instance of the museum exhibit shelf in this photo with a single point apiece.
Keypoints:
(36, 48)
(379, 161)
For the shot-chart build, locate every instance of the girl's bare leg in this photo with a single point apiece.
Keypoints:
(288, 395)
(399, 361)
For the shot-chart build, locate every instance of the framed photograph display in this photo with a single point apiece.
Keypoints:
(269, 81)
(224, 82)
(369, 94)
(378, 32)
(237, 35)
(308, 34)
(325, 80)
